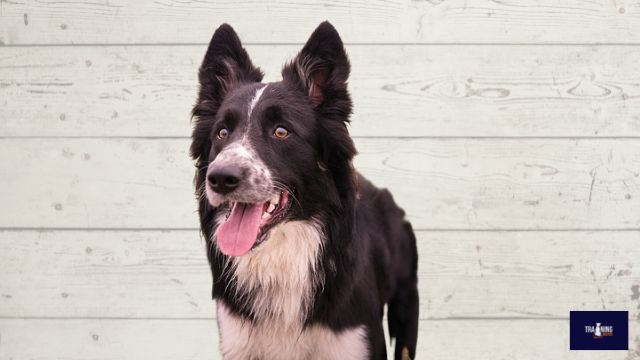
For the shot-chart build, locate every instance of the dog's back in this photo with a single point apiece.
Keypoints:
(394, 260)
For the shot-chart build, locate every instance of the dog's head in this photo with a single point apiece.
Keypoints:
(275, 152)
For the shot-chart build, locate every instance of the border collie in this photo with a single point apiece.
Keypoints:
(304, 251)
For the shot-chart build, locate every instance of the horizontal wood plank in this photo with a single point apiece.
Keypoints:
(154, 274)
(196, 339)
(108, 339)
(441, 183)
(371, 21)
(573, 91)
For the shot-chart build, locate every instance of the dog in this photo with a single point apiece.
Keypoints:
(304, 251)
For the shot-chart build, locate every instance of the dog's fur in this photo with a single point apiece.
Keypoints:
(315, 283)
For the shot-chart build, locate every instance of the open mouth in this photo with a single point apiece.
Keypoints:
(247, 224)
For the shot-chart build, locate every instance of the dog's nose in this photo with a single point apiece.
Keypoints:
(224, 180)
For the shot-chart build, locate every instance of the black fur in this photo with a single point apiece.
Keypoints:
(369, 255)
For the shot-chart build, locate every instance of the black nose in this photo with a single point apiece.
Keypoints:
(224, 180)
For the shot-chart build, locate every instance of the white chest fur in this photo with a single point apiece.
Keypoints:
(239, 339)
(282, 273)
(281, 276)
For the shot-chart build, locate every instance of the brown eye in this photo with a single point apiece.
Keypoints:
(223, 133)
(281, 132)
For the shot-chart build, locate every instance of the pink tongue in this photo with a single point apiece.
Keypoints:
(237, 235)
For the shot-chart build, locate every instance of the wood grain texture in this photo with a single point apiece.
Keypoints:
(379, 21)
(164, 274)
(108, 339)
(525, 91)
(197, 339)
(441, 183)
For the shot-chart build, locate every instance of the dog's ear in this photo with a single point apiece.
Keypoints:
(225, 65)
(321, 70)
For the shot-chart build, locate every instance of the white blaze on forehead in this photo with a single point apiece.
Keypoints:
(252, 105)
(254, 101)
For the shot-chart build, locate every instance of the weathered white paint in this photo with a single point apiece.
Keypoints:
(544, 91)
(164, 274)
(197, 339)
(441, 183)
(274, 21)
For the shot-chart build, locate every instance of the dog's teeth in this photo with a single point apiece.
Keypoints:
(271, 207)
(266, 215)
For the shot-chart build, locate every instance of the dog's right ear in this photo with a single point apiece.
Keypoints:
(226, 65)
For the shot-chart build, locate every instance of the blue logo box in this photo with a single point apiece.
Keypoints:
(599, 330)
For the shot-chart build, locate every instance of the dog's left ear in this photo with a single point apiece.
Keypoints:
(321, 70)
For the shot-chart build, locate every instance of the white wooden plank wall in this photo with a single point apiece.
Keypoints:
(508, 130)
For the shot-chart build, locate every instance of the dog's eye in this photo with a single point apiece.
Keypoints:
(280, 132)
(223, 133)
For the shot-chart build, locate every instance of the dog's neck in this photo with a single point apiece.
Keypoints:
(279, 279)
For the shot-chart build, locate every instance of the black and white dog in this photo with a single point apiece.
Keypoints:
(304, 251)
